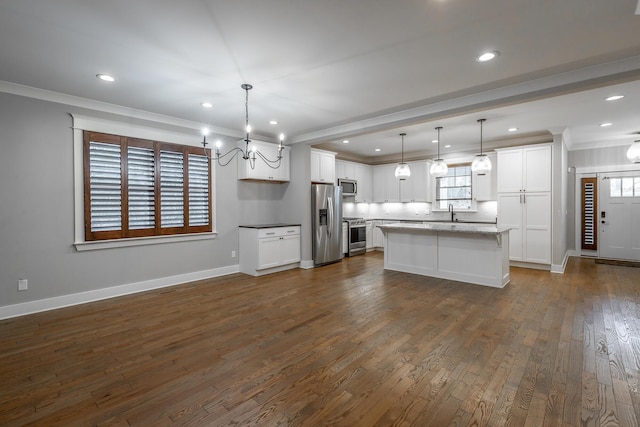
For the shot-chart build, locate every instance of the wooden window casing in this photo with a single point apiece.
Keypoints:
(138, 197)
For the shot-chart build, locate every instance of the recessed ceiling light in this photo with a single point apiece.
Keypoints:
(614, 97)
(206, 104)
(447, 146)
(346, 141)
(273, 122)
(604, 125)
(377, 149)
(487, 56)
(435, 141)
(106, 77)
(512, 129)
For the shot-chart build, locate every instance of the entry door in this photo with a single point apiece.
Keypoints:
(619, 216)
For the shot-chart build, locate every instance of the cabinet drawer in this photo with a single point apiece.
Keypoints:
(278, 232)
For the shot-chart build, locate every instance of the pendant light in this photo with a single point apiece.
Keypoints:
(402, 170)
(439, 167)
(481, 164)
(633, 153)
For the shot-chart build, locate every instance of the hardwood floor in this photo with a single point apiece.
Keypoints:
(347, 344)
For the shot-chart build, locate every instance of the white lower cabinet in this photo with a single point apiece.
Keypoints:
(529, 216)
(369, 234)
(267, 250)
(345, 238)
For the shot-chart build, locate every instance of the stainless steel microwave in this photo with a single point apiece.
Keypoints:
(349, 186)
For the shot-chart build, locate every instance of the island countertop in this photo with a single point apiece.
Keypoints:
(276, 225)
(453, 227)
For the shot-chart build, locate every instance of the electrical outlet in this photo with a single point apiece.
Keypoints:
(233, 254)
(23, 284)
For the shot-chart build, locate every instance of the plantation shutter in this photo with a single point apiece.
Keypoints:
(198, 190)
(589, 214)
(171, 189)
(105, 182)
(141, 187)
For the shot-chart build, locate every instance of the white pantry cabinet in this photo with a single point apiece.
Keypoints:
(323, 166)
(268, 250)
(524, 201)
(259, 170)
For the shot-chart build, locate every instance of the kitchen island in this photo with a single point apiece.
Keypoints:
(473, 253)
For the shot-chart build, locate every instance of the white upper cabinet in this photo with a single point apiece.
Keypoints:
(386, 187)
(418, 187)
(359, 172)
(323, 166)
(524, 169)
(259, 170)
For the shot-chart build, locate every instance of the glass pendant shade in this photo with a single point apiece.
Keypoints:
(633, 153)
(439, 168)
(403, 171)
(481, 164)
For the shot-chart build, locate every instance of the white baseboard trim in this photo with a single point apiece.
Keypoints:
(47, 304)
(306, 264)
(559, 268)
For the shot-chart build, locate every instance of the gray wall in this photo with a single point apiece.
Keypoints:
(37, 213)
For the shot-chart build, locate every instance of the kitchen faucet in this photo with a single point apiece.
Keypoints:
(453, 214)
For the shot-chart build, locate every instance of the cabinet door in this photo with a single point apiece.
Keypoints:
(378, 237)
(510, 173)
(537, 227)
(537, 168)
(290, 249)
(510, 215)
(315, 166)
(269, 252)
(369, 234)
(323, 168)
(364, 176)
(379, 185)
(345, 238)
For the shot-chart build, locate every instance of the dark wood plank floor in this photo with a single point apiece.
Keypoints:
(347, 344)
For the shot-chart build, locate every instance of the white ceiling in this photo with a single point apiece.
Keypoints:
(363, 70)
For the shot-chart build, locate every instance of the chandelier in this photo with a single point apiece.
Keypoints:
(250, 154)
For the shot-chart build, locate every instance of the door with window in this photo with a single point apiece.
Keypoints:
(619, 215)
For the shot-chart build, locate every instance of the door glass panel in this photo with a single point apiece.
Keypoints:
(627, 187)
(615, 187)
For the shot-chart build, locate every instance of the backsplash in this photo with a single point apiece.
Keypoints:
(486, 211)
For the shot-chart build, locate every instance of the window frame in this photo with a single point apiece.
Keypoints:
(125, 233)
(437, 190)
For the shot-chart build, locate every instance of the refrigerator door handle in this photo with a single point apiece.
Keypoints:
(330, 224)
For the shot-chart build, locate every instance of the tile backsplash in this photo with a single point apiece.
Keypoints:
(486, 211)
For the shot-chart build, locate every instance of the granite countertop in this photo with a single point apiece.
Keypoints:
(463, 221)
(454, 227)
(277, 225)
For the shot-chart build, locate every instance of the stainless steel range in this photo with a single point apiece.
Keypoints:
(357, 236)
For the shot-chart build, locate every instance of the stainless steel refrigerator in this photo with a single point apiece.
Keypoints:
(326, 211)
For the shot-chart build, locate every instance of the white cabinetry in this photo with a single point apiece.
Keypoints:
(345, 238)
(362, 174)
(323, 166)
(259, 170)
(524, 201)
(369, 234)
(484, 185)
(378, 237)
(418, 187)
(386, 187)
(267, 250)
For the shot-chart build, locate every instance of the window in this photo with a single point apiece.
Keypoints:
(454, 188)
(624, 187)
(138, 188)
